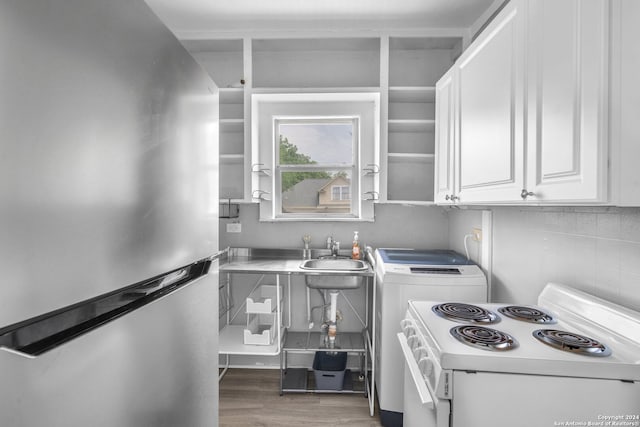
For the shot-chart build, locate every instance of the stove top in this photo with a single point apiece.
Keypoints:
(527, 314)
(460, 312)
(483, 338)
(475, 337)
(569, 341)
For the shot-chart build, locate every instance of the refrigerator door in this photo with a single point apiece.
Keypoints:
(153, 367)
(108, 176)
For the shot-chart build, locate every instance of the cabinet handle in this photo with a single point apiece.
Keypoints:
(524, 194)
(451, 197)
(447, 197)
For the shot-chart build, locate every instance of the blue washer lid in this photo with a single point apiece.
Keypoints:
(423, 257)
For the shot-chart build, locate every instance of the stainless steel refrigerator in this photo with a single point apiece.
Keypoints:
(108, 219)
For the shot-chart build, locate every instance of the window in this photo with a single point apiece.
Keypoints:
(340, 192)
(312, 155)
(316, 157)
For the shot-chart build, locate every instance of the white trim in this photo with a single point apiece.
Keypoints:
(362, 107)
(303, 33)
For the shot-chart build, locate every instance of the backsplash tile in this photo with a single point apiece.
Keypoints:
(596, 249)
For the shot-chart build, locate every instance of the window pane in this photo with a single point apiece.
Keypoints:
(314, 192)
(340, 192)
(316, 143)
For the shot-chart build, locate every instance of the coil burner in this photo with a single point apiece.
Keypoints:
(527, 314)
(484, 338)
(569, 341)
(465, 313)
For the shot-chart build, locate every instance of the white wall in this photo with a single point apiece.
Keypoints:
(590, 248)
(394, 226)
(461, 223)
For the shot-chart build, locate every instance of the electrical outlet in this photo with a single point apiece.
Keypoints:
(477, 234)
(234, 227)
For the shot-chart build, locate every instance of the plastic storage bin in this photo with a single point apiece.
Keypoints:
(260, 329)
(263, 299)
(329, 369)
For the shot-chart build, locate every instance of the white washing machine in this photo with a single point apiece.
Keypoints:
(416, 274)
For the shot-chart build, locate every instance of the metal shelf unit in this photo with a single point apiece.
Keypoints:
(301, 380)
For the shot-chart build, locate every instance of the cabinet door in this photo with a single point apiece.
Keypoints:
(444, 144)
(625, 103)
(491, 105)
(567, 135)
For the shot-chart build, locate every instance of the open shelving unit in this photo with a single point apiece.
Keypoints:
(404, 69)
(223, 59)
(232, 337)
(415, 65)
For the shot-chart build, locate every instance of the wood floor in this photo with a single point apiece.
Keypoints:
(251, 397)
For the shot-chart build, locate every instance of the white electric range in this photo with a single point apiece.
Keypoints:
(572, 360)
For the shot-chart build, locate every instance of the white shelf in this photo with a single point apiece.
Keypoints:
(231, 125)
(396, 125)
(411, 156)
(231, 341)
(224, 200)
(231, 121)
(231, 158)
(426, 94)
(334, 89)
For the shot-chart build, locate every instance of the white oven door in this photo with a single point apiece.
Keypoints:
(421, 407)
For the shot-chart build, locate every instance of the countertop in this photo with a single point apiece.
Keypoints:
(279, 261)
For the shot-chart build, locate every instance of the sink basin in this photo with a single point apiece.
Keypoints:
(333, 281)
(340, 264)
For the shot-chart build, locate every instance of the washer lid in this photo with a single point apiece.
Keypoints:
(423, 257)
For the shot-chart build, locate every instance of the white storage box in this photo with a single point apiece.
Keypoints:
(260, 329)
(263, 299)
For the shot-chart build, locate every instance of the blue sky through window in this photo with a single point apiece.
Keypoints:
(322, 142)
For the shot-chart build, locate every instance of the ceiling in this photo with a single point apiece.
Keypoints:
(186, 17)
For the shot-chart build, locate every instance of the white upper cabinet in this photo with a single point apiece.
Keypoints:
(567, 100)
(490, 108)
(531, 114)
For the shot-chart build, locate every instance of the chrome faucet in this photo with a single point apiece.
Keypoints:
(335, 248)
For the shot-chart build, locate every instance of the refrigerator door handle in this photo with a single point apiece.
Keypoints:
(37, 335)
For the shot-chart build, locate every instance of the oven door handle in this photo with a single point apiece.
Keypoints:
(423, 391)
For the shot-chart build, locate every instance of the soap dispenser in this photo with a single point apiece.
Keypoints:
(355, 250)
